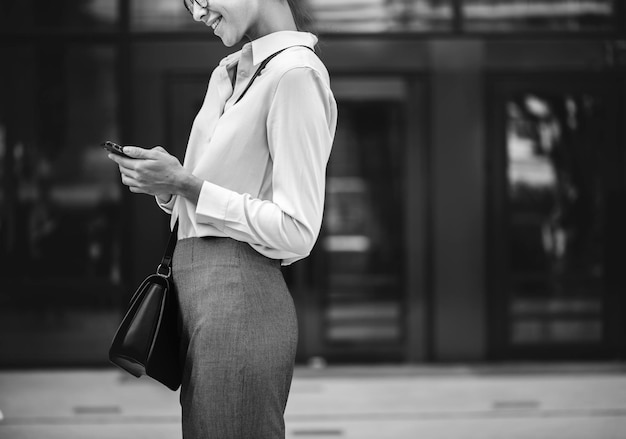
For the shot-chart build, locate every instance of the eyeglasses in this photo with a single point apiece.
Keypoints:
(189, 4)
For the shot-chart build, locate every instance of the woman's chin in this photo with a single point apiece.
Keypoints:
(228, 43)
(228, 40)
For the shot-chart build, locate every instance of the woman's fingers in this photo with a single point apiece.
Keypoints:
(136, 152)
(129, 172)
(129, 181)
(134, 185)
(150, 171)
(144, 153)
(122, 161)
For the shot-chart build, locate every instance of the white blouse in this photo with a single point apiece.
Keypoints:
(263, 160)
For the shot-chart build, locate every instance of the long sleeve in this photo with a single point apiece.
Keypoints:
(168, 205)
(300, 129)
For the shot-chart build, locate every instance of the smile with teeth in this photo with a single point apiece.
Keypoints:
(217, 21)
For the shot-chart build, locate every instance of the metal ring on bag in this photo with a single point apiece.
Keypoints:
(169, 271)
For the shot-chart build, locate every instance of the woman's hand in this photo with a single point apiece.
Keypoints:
(156, 172)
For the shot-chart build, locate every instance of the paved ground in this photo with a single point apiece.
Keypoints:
(453, 402)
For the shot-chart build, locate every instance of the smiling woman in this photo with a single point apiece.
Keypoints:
(248, 199)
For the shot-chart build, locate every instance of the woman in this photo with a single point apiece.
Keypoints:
(249, 197)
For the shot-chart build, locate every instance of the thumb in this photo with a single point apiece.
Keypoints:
(135, 152)
(159, 148)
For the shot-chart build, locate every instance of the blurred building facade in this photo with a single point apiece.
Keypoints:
(476, 195)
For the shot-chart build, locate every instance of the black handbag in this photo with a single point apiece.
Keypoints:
(147, 340)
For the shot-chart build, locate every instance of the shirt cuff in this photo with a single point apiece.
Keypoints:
(168, 206)
(213, 205)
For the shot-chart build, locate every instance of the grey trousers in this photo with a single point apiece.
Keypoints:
(239, 336)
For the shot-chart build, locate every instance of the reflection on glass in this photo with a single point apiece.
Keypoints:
(381, 15)
(65, 194)
(538, 15)
(60, 209)
(362, 235)
(368, 16)
(162, 16)
(84, 15)
(556, 224)
(4, 184)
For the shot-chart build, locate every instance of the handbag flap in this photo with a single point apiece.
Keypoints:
(135, 337)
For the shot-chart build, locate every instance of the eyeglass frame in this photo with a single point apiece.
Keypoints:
(198, 2)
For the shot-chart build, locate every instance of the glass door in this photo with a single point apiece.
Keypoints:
(358, 269)
(61, 204)
(354, 295)
(558, 209)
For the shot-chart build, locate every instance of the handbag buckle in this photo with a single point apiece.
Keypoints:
(159, 269)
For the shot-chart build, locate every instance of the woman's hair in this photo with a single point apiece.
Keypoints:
(300, 15)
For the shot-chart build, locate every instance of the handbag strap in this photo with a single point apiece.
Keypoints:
(165, 267)
(262, 66)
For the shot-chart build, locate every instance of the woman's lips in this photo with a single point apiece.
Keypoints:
(214, 20)
(216, 23)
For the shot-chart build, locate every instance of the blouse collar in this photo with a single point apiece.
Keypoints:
(263, 47)
(271, 43)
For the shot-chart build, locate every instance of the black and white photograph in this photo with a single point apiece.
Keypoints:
(313, 219)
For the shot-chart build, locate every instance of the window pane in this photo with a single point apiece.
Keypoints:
(369, 16)
(377, 16)
(84, 15)
(538, 15)
(363, 235)
(557, 187)
(62, 103)
(163, 16)
(60, 206)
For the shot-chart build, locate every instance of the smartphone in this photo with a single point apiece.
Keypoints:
(114, 148)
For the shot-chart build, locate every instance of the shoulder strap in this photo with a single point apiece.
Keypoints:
(262, 66)
(165, 267)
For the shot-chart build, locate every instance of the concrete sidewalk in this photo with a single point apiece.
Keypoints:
(454, 402)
